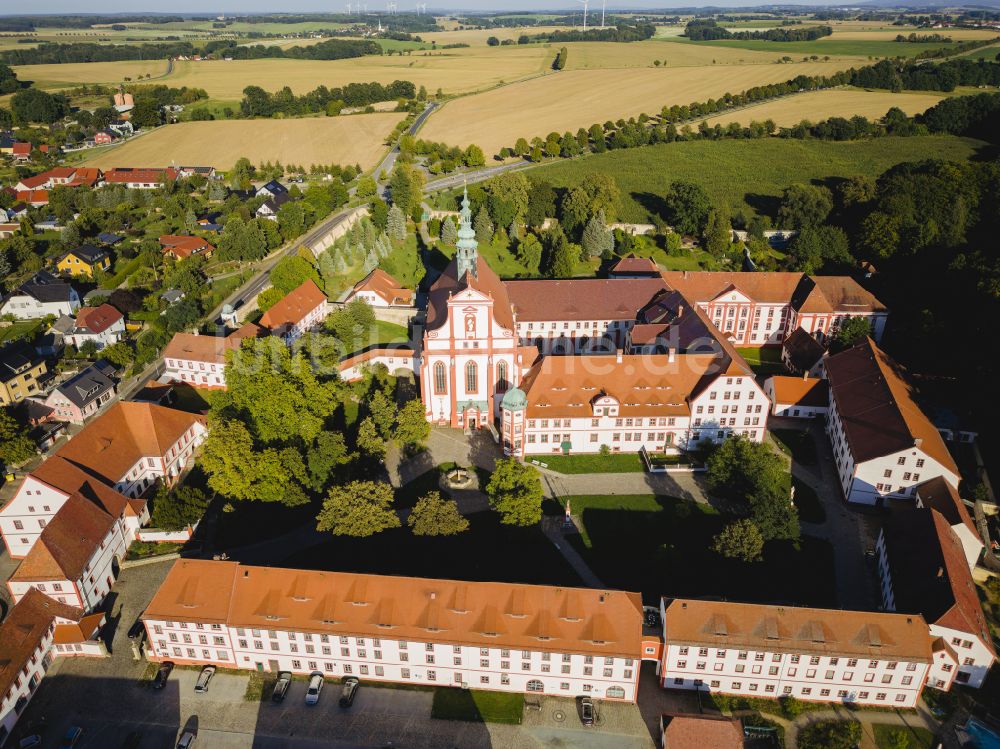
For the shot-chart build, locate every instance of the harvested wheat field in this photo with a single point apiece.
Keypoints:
(453, 70)
(478, 37)
(818, 105)
(73, 74)
(888, 34)
(578, 98)
(356, 139)
(593, 55)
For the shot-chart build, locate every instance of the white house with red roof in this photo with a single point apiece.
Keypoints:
(137, 178)
(103, 325)
(182, 246)
(200, 360)
(299, 311)
(379, 289)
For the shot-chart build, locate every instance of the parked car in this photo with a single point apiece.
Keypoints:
(186, 741)
(163, 674)
(315, 687)
(29, 741)
(137, 630)
(587, 711)
(71, 736)
(281, 686)
(350, 690)
(204, 678)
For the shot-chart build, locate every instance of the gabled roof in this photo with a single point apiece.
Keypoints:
(24, 629)
(111, 444)
(799, 391)
(46, 288)
(802, 349)
(694, 731)
(877, 407)
(582, 298)
(138, 174)
(87, 253)
(183, 245)
(539, 617)
(834, 294)
(207, 348)
(703, 286)
(385, 286)
(294, 307)
(70, 479)
(943, 497)
(274, 187)
(485, 281)
(751, 626)
(930, 574)
(96, 320)
(86, 386)
(635, 266)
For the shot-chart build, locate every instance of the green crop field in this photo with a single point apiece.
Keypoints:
(825, 46)
(746, 174)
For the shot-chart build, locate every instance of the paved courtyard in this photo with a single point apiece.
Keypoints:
(106, 698)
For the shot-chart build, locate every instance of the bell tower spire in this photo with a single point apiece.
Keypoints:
(467, 259)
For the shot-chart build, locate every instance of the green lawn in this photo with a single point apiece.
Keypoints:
(19, 329)
(594, 463)
(662, 546)
(918, 737)
(764, 361)
(825, 46)
(477, 706)
(388, 332)
(192, 400)
(797, 443)
(748, 175)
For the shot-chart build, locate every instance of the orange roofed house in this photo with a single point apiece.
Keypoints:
(496, 636)
(380, 289)
(182, 246)
(299, 311)
(798, 397)
(37, 629)
(200, 360)
(138, 178)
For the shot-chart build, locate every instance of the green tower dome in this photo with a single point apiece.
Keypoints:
(514, 399)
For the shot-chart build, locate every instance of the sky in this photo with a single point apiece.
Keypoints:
(329, 6)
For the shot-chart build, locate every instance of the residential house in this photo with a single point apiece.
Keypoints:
(489, 636)
(884, 445)
(182, 246)
(925, 571)
(137, 178)
(43, 295)
(200, 360)
(33, 198)
(22, 373)
(798, 397)
(21, 151)
(208, 172)
(108, 239)
(299, 311)
(60, 176)
(272, 189)
(84, 261)
(105, 137)
(380, 289)
(36, 630)
(8, 230)
(104, 325)
(83, 394)
(270, 207)
(172, 296)
(821, 655)
(803, 354)
(124, 128)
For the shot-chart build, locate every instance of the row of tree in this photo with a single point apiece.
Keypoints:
(707, 29)
(257, 102)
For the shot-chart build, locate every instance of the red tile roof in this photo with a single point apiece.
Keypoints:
(486, 281)
(944, 498)
(23, 631)
(21, 149)
(34, 197)
(702, 732)
(293, 308)
(97, 319)
(207, 348)
(632, 265)
(798, 391)
(130, 174)
(385, 286)
(582, 298)
(877, 407)
(183, 246)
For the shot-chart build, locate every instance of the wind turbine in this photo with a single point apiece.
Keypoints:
(584, 2)
(603, 3)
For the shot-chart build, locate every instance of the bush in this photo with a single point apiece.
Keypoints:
(830, 734)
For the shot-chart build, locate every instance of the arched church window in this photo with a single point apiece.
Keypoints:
(471, 377)
(502, 383)
(440, 379)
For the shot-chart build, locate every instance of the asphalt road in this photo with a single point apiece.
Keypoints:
(480, 175)
(390, 158)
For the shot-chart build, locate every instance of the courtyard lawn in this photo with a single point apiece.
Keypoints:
(477, 706)
(192, 400)
(796, 443)
(478, 554)
(763, 361)
(918, 737)
(662, 546)
(19, 329)
(389, 332)
(593, 463)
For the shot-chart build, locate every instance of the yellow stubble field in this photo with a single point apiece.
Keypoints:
(819, 105)
(69, 75)
(453, 71)
(572, 99)
(354, 139)
(595, 55)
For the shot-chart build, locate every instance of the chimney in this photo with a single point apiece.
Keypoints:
(917, 441)
(940, 572)
(805, 374)
(671, 355)
(618, 356)
(680, 308)
(685, 274)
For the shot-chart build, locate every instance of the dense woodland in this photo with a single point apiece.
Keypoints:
(259, 103)
(706, 29)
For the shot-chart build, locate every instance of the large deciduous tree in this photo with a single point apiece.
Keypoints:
(687, 207)
(740, 540)
(359, 508)
(595, 192)
(433, 515)
(804, 206)
(515, 491)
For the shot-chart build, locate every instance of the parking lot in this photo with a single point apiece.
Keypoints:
(107, 699)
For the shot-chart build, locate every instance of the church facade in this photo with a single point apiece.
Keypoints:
(621, 364)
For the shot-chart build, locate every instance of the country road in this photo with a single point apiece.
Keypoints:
(387, 164)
